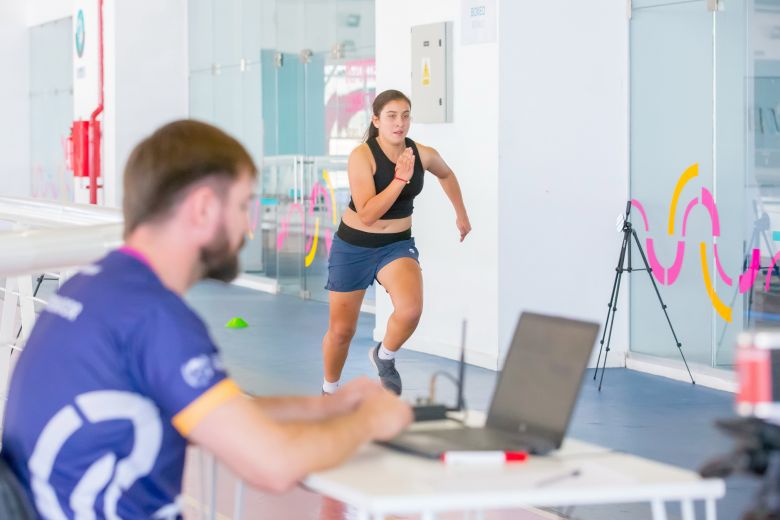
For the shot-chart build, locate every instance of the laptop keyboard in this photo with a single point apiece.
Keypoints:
(475, 439)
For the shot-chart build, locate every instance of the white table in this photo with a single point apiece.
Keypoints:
(379, 481)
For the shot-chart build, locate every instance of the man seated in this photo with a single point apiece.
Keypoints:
(119, 373)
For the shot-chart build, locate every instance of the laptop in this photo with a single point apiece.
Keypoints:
(534, 398)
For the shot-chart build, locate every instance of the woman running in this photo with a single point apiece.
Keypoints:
(374, 239)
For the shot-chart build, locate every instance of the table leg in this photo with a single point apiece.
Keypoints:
(428, 515)
(213, 498)
(659, 510)
(362, 514)
(687, 510)
(238, 503)
(711, 513)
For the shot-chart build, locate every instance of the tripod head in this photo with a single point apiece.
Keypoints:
(623, 222)
(627, 218)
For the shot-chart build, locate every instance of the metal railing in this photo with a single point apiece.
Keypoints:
(43, 238)
(55, 240)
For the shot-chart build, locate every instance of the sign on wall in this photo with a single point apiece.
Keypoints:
(479, 20)
(84, 45)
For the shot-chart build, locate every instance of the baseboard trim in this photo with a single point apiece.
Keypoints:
(716, 378)
(447, 351)
(257, 283)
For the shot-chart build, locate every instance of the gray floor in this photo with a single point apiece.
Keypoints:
(669, 421)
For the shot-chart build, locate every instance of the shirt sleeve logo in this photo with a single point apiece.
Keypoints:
(64, 307)
(199, 371)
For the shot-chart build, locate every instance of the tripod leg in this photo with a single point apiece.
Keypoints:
(612, 299)
(611, 324)
(663, 305)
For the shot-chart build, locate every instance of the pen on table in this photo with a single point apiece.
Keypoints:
(482, 457)
(557, 478)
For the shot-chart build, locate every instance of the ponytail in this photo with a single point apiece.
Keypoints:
(371, 132)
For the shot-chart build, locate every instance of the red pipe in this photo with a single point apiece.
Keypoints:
(94, 131)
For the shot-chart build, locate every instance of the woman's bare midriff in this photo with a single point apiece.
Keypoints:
(395, 225)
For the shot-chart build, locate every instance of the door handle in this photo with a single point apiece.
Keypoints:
(295, 180)
(303, 176)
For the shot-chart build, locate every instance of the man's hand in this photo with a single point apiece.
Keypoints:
(348, 397)
(404, 167)
(387, 415)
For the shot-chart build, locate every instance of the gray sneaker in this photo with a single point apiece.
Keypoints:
(388, 375)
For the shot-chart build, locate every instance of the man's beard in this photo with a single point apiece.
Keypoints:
(219, 262)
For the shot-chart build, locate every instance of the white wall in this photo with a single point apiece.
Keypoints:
(146, 78)
(43, 11)
(539, 141)
(14, 99)
(460, 280)
(563, 143)
(86, 92)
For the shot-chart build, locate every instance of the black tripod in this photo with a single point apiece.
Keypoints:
(628, 232)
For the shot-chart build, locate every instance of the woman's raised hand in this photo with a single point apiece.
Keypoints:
(404, 166)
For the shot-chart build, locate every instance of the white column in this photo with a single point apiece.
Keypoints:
(145, 77)
(15, 98)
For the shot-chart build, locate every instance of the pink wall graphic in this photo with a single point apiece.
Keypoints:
(296, 210)
(668, 275)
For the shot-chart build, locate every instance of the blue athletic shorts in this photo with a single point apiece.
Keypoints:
(353, 268)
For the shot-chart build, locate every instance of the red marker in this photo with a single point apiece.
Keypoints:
(483, 457)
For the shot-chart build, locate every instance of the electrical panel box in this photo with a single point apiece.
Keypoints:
(432, 73)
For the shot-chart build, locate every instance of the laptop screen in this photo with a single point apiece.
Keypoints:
(538, 386)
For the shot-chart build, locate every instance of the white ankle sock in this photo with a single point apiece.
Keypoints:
(385, 354)
(329, 387)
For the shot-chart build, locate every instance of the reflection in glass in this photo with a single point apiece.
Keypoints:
(294, 81)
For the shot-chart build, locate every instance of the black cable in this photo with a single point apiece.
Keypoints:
(35, 293)
(432, 392)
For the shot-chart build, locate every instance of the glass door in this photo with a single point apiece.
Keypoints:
(761, 146)
(739, 216)
(318, 86)
(51, 110)
(671, 154)
(294, 81)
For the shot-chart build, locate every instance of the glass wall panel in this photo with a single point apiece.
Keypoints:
(228, 41)
(202, 95)
(201, 34)
(705, 143)
(735, 204)
(51, 109)
(671, 131)
(294, 81)
(762, 213)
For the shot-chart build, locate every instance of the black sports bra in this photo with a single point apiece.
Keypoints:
(384, 175)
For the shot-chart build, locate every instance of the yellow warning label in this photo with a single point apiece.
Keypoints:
(426, 72)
